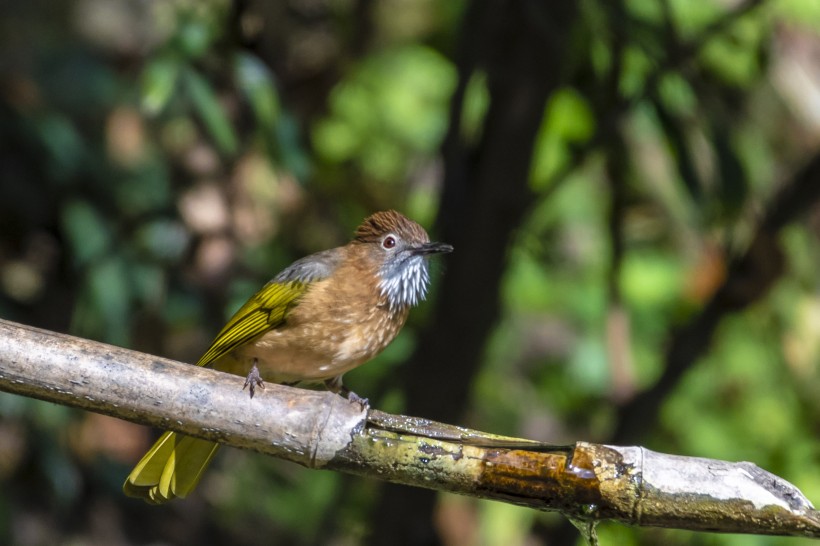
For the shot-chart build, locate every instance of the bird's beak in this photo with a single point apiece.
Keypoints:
(432, 248)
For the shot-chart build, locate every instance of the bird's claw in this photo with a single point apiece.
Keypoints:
(253, 380)
(363, 402)
(335, 385)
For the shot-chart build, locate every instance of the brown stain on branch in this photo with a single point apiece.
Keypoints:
(553, 480)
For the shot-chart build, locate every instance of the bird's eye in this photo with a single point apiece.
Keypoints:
(389, 242)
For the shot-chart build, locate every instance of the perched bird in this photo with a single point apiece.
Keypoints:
(320, 317)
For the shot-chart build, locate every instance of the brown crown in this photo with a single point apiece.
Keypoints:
(381, 223)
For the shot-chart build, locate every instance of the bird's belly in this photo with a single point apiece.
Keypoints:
(318, 350)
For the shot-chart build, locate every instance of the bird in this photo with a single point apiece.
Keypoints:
(319, 318)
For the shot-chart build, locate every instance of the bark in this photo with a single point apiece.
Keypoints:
(322, 430)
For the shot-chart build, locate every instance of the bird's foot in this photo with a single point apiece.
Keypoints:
(253, 380)
(336, 385)
(353, 397)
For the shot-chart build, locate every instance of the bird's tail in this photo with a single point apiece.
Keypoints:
(171, 468)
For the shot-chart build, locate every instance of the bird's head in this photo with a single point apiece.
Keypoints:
(400, 248)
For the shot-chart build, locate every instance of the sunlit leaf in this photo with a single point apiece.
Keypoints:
(734, 57)
(476, 104)
(391, 106)
(798, 12)
(159, 81)
(677, 94)
(568, 121)
(503, 524)
(690, 18)
(651, 279)
(337, 140)
(636, 67)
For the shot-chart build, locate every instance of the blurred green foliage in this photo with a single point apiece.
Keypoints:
(161, 160)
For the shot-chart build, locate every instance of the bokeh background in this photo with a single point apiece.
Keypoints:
(631, 188)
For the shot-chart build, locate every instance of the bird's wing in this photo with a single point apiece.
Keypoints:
(311, 268)
(268, 308)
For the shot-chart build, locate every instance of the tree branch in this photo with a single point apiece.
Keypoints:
(322, 430)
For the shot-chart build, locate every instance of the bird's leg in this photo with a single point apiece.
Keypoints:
(254, 379)
(335, 385)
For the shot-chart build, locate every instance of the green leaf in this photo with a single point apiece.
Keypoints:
(163, 239)
(194, 35)
(144, 190)
(207, 105)
(734, 56)
(64, 144)
(392, 106)
(148, 283)
(110, 294)
(280, 132)
(256, 82)
(568, 120)
(476, 104)
(86, 231)
(676, 137)
(650, 279)
(158, 82)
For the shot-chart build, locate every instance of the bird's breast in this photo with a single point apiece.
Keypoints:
(334, 328)
(364, 339)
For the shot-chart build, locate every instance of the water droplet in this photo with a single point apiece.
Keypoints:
(583, 473)
(590, 509)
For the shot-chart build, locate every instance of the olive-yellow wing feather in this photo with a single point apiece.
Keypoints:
(264, 311)
(268, 308)
(174, 465)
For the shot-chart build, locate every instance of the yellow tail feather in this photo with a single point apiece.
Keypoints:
(171, 468)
